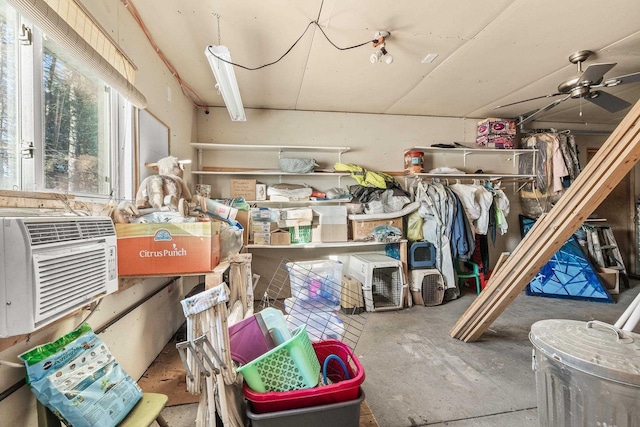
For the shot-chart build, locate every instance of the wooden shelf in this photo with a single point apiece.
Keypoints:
(468, 151)
(271, 172)
(300, 202)
(510, 155)
(349, 244)
(485, 176)
(260, 147)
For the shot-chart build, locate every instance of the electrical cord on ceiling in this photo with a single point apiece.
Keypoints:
(189, 92)
(292, 46)
(184, 87)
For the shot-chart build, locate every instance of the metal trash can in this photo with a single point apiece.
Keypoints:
(587, 374)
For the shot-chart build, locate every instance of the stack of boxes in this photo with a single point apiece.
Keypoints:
(276, 227)
(496, 133)
(298, 222)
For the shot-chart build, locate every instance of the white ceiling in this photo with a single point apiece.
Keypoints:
(489, 53)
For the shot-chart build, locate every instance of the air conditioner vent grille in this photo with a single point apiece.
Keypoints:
(46, 232)
(66, 279)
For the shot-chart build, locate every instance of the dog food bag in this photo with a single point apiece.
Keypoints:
(78, 379)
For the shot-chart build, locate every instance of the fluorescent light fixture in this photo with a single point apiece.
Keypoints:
(226, 81)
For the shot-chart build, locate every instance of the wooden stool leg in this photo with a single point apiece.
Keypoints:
(161, 421)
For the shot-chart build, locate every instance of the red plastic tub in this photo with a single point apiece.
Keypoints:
(341, 389)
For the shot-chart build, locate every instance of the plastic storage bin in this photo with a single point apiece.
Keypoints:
(321, 325)
(292, 365)
(345, 385)
(343, 414)
(249, 339)
(586, 374)
(300, 234)
(317, 282)
(383, 282)
(276, 324)
(252, 337)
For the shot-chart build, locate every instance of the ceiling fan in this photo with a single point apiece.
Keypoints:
(581, 85)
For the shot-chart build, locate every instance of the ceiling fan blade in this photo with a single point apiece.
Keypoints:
(594, 73)
(530, 117)
(609, 102)
(527, 100)
(620, 80)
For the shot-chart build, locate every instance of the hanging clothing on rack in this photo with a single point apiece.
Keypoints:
(462, 240)
(502, 207)
(570, 154)
(447, 227)
(559, 167)
(467, 195)
(435, 209)
(557, 161)
(477, 202)
(485, 200)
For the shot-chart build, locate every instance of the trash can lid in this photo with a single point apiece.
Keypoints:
(593, 347)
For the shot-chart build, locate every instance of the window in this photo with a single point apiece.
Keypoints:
(8, 97)
(75, 114)
(58, 119)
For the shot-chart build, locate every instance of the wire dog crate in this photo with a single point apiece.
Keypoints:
(382, 279)
(312, 293)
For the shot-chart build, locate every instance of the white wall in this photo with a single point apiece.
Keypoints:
(138, 337)
(377, 143)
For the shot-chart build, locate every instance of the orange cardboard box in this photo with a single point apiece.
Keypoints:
(157, 249)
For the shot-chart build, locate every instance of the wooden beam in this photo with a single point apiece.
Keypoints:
(608, 167)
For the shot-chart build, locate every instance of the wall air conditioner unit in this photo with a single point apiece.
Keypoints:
(51, 266)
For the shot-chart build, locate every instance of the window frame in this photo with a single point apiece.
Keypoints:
(119, 132)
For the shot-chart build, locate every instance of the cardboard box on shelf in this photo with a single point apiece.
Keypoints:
(259, 229)
(220, 209)
(261, 238)
(292, 217)
(245, 188)
(497, 141)
(496, 126)
(329, 224)
(280, 238)
(610, 279)
(157, 249)
(361, 230)
(243, 218)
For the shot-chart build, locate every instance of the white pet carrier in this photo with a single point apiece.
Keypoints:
(383, 282)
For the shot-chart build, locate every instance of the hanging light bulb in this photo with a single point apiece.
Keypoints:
(381, 55)
(375, 56)
(388, 59)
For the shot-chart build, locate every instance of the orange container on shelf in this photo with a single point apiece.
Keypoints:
(413, 162)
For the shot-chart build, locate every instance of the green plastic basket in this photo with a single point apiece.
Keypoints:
(303, 235)
(293, 365)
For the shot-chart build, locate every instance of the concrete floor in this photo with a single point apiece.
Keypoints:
(417, 375)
